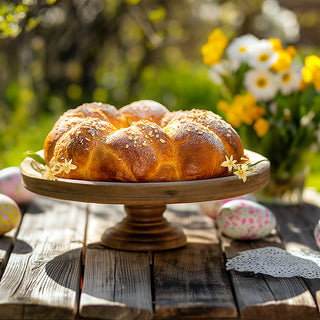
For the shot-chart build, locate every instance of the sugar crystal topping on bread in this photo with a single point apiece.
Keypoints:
(141, 142)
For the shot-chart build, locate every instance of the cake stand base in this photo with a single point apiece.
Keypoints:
(144, 229)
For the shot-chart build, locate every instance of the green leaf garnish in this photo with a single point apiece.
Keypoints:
(35, 156)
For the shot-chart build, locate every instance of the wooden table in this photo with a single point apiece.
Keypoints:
(53, 267)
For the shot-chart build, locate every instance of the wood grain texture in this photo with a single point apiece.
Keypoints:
(262, 296)
(146, 193)
(7, 242)
(192, 281)
(42, 278)
(117, 284)
(296, 226)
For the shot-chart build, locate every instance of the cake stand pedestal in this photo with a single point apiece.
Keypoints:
(144, 227)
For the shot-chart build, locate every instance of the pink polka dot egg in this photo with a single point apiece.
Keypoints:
(10, 214)
(245, 220)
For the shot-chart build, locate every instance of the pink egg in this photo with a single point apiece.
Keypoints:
(10, 214)
(211, 208)
(11, 185)
(245, 219)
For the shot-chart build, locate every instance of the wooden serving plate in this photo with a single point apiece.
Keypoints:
(145, 228)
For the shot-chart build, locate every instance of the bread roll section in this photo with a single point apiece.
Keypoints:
(141, 142)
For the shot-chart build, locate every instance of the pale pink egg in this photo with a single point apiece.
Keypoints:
(211, 208)
(11, 185)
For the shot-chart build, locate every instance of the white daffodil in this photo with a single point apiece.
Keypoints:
(238, 49)
(261, 83)
(289, 81)
(261, 55)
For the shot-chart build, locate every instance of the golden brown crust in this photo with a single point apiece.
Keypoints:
(199, 151)
(79, 145)
(186, 145)
(144, 110)
(70, 118)
(215, 123)
(100, 111)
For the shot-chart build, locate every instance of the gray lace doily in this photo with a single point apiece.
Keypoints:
(277, 262)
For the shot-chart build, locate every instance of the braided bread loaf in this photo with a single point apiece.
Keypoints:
(141, 142)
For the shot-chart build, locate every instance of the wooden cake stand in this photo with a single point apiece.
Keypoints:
(144, 227)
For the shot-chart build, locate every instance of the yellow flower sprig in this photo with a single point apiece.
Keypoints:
(50, 171)
(55, 168)
(240, 170)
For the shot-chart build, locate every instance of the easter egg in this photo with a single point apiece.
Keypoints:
(211, 208)
(317, 233)
(245, 219)
(10, 214)
(11, 185)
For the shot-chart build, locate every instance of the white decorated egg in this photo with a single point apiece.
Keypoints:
(211, 208)
(10, 214)
(11, 185)
(317, 233)
(245, 219)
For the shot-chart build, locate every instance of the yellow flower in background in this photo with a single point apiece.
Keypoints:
(213, 50)
(311, 71)
(292, 51)
(285, 56)
(243, 109)
(261, 126)
(276, 44)
(283, 63)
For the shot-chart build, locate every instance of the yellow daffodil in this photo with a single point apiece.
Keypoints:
(283, 63)
(311, 71)
(261, 126)
(285, 56)
(213, 50)
(229, 163)
(243, 109)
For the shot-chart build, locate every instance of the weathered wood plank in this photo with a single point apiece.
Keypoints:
(6, 245)
(192, 281)
(42, 278)
(116, 284)
(296, 225)
(260, 296)
(7, 242)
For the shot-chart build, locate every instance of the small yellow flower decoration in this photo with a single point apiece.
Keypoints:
(230, 163)
(49, 171)
(240, 170)
(55, 168)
